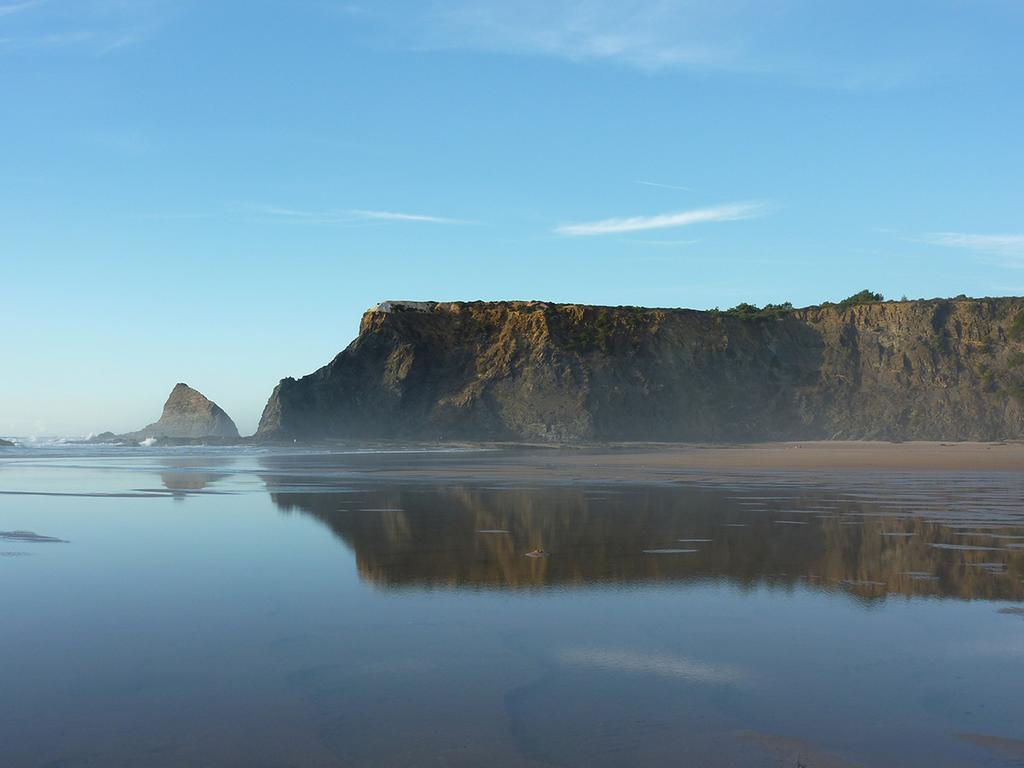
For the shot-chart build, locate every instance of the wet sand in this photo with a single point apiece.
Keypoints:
(336, 608)
(666, 462)
(834, 455)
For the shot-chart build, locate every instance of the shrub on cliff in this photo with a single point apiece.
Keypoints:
(862, 297)
(746, 311)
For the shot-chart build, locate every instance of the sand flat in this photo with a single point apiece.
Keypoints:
(646, 462)
(852, 454)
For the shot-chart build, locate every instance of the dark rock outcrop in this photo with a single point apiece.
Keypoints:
(6, 444)
(533, 371)
(188, 414)
(109, 438)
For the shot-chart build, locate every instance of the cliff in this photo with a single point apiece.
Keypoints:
(189, 414)
(534, 371)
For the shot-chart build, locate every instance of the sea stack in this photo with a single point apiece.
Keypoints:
(189, 414)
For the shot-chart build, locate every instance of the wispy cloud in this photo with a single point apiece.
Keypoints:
(48, 40)
(1007, 248)
(350, 215)
(661, 242)
(96, 26)
(128, 38)
(647, 35)
(6, 9)
(175, 215)
(394, 216)
(664, 186)
(730, 212)
(746, 37)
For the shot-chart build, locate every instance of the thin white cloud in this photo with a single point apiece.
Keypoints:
(7, 9)
(664, 186)
(674, 243)
(647, 35)
(50, 40)
(730, 212)
(99, 26)
(660, 242)
(274, 210)
(175, 215)
(745, 37)
(394, 216)
(352, 215)
(1008, 248)
(133, 37)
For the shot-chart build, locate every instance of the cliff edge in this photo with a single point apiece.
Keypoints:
(535, 371)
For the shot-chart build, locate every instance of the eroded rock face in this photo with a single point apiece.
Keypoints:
(533, 371)
(189, 414)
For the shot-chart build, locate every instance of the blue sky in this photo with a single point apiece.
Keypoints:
(213, 192)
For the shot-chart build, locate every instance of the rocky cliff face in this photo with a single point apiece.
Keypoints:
(929, 370)
(189, 414)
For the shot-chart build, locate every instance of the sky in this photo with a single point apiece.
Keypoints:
(214, 191)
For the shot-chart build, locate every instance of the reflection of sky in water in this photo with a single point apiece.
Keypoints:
(213, 622)
(661, 665)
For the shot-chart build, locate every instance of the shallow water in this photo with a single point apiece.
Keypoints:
(240, 607)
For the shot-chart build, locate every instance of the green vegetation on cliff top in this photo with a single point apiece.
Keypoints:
(746, 311)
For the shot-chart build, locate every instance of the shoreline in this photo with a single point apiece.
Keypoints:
(640, 461)
(835, 455)
(672, 462)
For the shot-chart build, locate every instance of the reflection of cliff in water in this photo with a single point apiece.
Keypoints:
(182, 477)
(432, 536)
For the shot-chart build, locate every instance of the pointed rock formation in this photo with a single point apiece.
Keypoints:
(189, 414)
